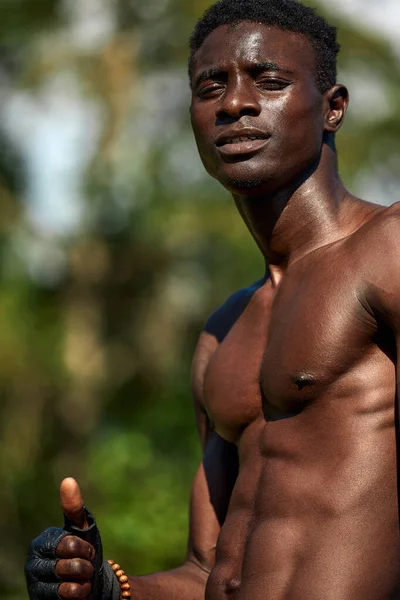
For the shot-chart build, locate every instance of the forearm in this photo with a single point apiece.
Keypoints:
(185, 583)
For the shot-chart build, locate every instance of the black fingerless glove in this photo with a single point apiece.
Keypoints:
(40, 570)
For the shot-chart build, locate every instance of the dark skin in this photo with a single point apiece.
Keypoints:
(294, 378)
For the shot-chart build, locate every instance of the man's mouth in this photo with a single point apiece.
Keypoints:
(242, 141)
(242, 138)
(241, 145)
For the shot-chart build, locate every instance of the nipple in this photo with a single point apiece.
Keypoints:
(303, 380)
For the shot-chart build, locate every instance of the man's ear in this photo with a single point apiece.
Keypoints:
(336, 102)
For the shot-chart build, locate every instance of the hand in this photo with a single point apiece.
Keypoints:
(67, 563)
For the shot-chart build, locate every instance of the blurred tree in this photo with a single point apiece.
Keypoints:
(100, 311)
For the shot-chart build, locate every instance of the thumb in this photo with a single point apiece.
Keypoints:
(72, 503)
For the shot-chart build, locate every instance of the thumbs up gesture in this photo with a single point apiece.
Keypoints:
(68, 563)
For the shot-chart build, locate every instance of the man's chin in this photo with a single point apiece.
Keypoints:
(244, 185)
(241, 185)
(246, 178)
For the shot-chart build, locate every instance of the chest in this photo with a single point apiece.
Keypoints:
(285, 350)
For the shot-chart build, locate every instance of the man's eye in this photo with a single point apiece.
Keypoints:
(272, 84)
(209, 91)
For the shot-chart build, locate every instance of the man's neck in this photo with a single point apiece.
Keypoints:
(291, 223)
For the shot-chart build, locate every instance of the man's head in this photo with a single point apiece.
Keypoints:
(263, 69)
(288, 15)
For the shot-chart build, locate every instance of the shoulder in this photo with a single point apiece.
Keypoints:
(382, 240)
(223, 318)
(381, 261)
(384, 226)
(376, 244)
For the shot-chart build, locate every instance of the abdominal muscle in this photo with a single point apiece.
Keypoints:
(315, 518)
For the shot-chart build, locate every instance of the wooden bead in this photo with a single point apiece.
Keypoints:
(123, 580)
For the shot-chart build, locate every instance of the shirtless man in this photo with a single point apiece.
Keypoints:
(294, 378)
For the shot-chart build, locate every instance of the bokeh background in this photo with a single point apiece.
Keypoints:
(116, 246)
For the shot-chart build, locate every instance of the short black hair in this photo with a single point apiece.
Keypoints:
(289, 15)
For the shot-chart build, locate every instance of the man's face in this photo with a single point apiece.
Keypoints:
(257, 113)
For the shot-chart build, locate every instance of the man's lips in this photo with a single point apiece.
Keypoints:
(244, 141)
(242, 147)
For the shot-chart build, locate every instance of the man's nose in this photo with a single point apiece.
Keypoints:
(238, 100)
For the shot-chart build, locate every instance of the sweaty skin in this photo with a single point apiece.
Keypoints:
(314, 510)
(294, 378)
(303, 381)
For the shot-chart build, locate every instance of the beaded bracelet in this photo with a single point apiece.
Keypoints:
(123, 579)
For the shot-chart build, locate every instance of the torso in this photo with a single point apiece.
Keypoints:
(304, 384)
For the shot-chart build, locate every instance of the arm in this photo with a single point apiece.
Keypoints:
(211, 491)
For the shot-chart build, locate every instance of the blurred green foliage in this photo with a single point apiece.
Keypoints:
(99, 321)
